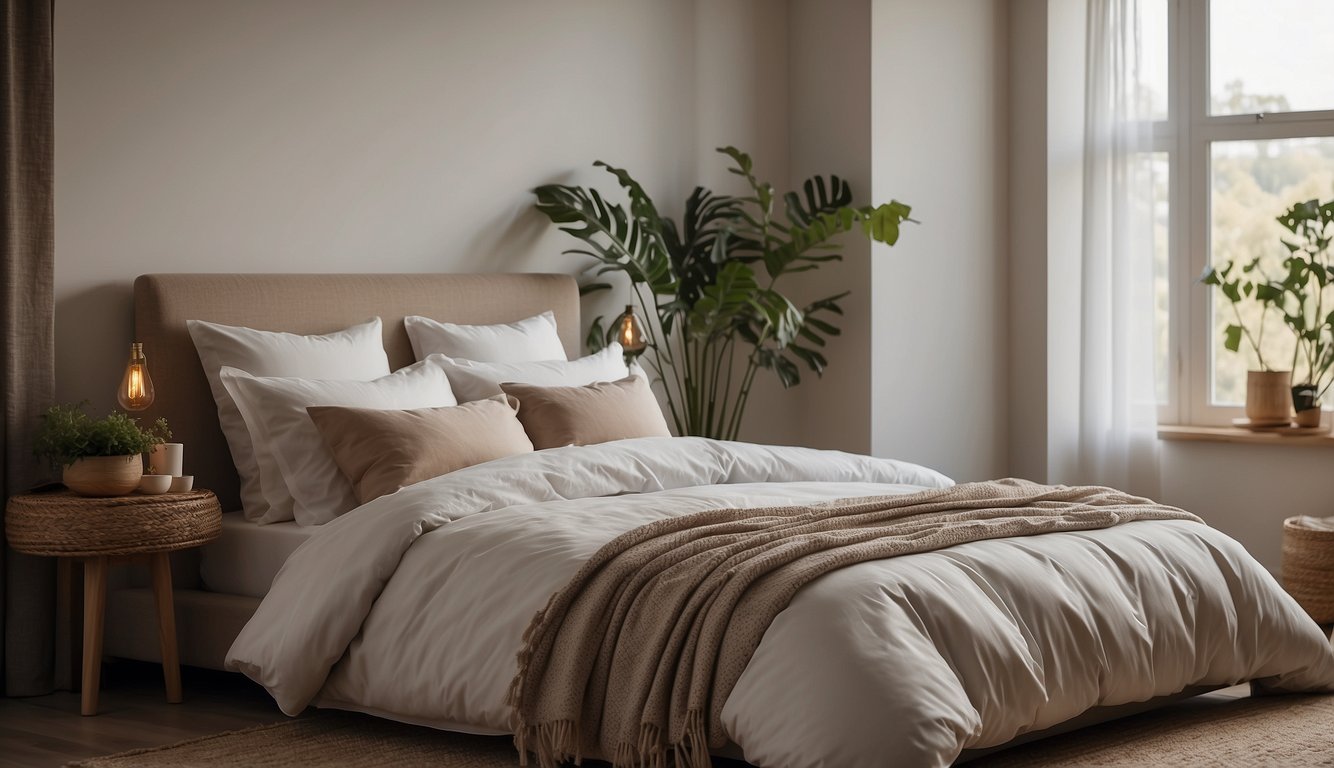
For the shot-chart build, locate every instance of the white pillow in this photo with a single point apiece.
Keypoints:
(298, 474)
(532, 338)
(474, 380)
(355, 353)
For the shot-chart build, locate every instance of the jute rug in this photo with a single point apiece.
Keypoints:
(1267, 731)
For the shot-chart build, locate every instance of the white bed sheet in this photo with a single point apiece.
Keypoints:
(246, 557)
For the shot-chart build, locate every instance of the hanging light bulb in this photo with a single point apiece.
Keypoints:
(627, 331)
(136, 388)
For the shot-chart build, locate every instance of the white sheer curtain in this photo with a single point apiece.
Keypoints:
(1117, 396)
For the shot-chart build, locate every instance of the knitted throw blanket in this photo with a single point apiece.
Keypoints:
(633, 660)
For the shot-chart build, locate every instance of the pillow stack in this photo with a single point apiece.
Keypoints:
(356, 353)
(318, 425)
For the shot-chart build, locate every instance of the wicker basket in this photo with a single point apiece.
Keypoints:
(1308, 568)
(66, 525)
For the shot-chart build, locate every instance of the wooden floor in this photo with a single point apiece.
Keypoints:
(47, 731)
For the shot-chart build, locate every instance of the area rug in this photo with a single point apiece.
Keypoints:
(1251, 732)
(1265, 731)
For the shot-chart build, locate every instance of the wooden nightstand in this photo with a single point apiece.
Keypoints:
(99, 531)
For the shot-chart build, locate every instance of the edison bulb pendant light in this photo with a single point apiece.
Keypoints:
(629, 333)
(136, 387)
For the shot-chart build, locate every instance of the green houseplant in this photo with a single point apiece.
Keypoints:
(1307, 304)
(710, 283)
(99, 457)
(1303, 300)
(1268, 391)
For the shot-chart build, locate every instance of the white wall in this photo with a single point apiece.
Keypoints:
(1247, 490)
(342, 136)
(939, 315)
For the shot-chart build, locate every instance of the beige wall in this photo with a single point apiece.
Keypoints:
(830, 75)
(324, 136)
(939, 316)
(328, 136)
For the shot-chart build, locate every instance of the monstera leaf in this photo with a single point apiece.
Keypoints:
(620, 241)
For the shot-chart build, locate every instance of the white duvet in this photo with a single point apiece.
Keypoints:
(414, 606)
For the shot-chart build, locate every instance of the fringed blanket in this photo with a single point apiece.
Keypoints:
(633, 660)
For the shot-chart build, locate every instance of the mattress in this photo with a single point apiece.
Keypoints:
(244, 559)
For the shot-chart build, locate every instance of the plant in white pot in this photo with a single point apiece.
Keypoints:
(1306, 301)
(1268, 391)
(100, 457)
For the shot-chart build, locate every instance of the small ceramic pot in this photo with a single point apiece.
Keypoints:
(182, 483)
(155, 484)
(104, 475)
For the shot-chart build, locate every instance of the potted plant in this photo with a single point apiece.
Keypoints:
(1268, 391)
(100, 457)
(710, 284)
(1307, 308)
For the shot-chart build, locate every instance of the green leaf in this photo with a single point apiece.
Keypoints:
(596, 340)
(721, 303)
(621, 241)
(813, 359)
(588, 288)
(1232, 338)
(1267, 292)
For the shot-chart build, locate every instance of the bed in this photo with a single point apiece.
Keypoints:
(211, 615)
(415, 606)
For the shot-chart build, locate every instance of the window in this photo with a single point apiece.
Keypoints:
(1244, 111)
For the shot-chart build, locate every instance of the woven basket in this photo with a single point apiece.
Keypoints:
(66, 525)
(1308, 568)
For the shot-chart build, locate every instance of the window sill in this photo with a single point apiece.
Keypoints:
(1185, 433)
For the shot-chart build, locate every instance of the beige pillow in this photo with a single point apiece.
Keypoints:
(596, 413)
(381, 451)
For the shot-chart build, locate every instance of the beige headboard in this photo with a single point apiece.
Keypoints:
(310, 304)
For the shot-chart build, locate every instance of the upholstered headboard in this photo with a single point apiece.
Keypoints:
(310, 304)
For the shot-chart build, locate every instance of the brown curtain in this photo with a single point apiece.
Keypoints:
(27, 235)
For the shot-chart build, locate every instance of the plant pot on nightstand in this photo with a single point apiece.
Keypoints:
(104, 475)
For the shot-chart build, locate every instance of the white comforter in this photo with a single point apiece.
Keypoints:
(413, 606)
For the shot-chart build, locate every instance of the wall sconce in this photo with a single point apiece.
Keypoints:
(629, 333)
(136, 387)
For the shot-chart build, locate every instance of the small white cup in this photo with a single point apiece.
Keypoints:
(167, 459)
(152, 485)
(182, 483)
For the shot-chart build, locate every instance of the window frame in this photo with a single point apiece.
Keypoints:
(1187, 136)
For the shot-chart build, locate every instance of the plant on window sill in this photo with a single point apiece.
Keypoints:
(1267, 390)
(1301, 300)
(1306, 309)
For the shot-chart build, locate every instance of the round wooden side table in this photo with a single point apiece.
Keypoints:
(99, 531)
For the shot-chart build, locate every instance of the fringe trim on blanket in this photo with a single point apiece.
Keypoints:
(555, 743)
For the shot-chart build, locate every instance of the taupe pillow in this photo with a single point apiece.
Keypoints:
(382, 451)
(596, 413)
